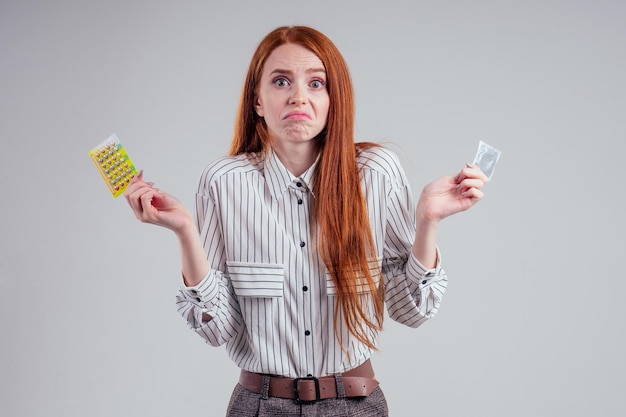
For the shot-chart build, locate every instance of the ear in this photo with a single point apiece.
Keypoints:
(257, 106)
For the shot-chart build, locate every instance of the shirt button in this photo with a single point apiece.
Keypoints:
(302, 244)
(299, 184)
(309, 375)
(424, 282)
(305, 288)
(299, 201)
(307, 333)
(198, 299)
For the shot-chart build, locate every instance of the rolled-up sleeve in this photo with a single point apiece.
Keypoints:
(214, 297)
(210, 308)
(413, 293)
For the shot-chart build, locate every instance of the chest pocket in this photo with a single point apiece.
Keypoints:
(259, 280)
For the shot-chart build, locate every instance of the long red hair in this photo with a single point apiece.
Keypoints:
(346, 244)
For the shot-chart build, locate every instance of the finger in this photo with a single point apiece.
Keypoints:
(135, 189)
(132, 188)
(471, 171)
(464, 173)
(473, 193)
(134, 201)
(135, 184)
(149, 213)
(475, 170)
(142, 203)
(468, 183)
(137, 199)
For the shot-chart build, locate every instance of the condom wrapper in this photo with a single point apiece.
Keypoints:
(486, 158)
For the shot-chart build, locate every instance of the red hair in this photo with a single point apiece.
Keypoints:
(346, 244)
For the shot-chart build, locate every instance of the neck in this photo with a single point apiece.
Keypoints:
(298, 158)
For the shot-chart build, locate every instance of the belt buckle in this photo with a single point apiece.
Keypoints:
(297, 393)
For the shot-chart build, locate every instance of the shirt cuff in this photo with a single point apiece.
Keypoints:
(421, 275)
(204, 294)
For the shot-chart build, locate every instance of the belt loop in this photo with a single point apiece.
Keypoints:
(341, 392)
(265, 387)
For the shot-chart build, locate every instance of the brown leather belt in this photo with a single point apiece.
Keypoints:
(357, 382)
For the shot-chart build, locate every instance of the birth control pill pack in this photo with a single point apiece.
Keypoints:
(114, 165)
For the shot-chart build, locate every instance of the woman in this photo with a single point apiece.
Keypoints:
(304, 237)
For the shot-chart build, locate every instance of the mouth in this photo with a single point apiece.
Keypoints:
(297, 115)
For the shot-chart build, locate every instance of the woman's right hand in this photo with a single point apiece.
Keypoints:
(153, 206)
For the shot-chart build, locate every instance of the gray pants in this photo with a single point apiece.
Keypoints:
(245, 403)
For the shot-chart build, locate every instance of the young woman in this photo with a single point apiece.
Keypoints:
(302, 237)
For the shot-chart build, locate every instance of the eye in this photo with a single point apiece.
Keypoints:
(316, 84)
(281, 82)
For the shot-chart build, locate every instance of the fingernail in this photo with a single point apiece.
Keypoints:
(136, 177)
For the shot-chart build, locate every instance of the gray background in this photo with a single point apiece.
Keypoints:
(533, 322)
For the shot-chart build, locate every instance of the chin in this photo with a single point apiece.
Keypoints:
(300, 134)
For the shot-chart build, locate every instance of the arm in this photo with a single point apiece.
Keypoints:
(206, 299)
(440, 199)
(414, 280)
(153, 206)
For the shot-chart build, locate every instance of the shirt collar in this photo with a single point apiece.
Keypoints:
(279, 179)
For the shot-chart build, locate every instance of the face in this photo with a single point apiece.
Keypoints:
(292, 96)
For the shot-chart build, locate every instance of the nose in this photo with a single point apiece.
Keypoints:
(298, 95)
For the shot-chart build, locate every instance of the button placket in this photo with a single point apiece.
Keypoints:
(300, 192)
(300, 208)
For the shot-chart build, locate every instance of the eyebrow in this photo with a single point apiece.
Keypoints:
(290, 72)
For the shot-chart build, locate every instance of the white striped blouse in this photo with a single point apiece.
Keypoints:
(270, 296)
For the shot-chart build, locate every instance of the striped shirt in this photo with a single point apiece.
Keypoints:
(268, 291)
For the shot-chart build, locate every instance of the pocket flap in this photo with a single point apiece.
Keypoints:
(251, 279)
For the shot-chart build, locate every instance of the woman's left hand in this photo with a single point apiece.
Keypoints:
(451, 194)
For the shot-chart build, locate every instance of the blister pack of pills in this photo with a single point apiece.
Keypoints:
(114, 165)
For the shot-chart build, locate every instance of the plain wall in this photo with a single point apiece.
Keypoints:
(533, 321)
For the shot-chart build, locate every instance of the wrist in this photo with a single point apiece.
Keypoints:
(426, 231)
(424, 218)
(426, 228)
(186, 229)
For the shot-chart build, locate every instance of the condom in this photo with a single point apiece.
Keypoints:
(486, 158)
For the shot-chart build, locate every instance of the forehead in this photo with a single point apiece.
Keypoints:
(292, 57)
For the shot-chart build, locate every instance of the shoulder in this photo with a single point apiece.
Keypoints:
(382, 161)
(230, 166)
